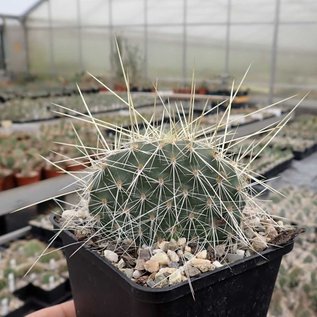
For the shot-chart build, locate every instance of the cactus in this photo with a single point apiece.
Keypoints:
(168, 180)
(167, 188)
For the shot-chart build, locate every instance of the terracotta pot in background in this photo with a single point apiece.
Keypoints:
(202, 91)
(51, 172)
(120, 87)
(26, 180)
(182, 90)
(1, 183)
(9, 182)
(75, 167)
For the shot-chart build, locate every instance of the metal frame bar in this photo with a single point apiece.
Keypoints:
(191, 24)
(51, 38)
(146, 25)
(184, 58)
(31, 9)
(145, 54)
(227, 53)
(26, 46)
(110, 12)
(274, 51)
(80, 40)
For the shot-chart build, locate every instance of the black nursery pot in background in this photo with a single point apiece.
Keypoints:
(243, 289)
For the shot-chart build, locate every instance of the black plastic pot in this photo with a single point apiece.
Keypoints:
(29, 306)
(54, 296)
(46, 235)
(17, 220)
(243, 289)
(300, 155)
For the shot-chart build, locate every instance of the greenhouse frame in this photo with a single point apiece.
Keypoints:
(172, 39)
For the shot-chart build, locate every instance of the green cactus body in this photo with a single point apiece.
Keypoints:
(147, 191)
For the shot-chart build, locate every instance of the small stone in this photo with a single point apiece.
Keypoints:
(175, 278)
(129, 260)
(83, 213)
(152, 266)
(220, 249)
(202, 254)
(217, 264)
(249, 233)
(260, 228)
(247, 253)
(162, 258)
(69, 213)
(232, 257)
(121, 264)
(137, 274)
(150, 283)
(139, 264)
(173, 245)
(163, 245)
(111, 256)
(210, 253)
(191, 270)
(202, 265)
(166, 271)
(144, 254)
(155, 251)
(240, 253)
(256, 221)
(128, 272)
(187, 249)
(280, 223)
(173, 256)
(271, 232)
(180, 253)
(142, 279)
(181, 242)
(160, 280)
(188, 255)
(259, 243)
(173, 265)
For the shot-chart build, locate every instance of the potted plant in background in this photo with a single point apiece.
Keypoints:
(28, 166)
(167, 223)
(131, 59)
(202, 89)
(7, 164)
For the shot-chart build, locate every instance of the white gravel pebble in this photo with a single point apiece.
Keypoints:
(111, 256)
(173, 256)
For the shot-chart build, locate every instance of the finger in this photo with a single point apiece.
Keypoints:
(62, 310)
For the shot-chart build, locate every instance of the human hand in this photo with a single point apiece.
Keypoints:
(66, 309)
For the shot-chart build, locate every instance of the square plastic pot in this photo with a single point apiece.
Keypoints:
(99, 289)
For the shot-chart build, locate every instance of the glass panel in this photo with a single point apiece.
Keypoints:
(94, 12)
(39, 51)
(251, 46)
(206, 51)
(294, 10)
(203, 12)
(132, 51)
(252, 10)
(96, 51)
(296, 61)
(165, 11)
(128, 12)
(165, 53)
(64, 12)
(38, 17)
(66, 56)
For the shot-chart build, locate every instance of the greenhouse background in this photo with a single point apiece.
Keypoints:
(202, 180)
(217, 40)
